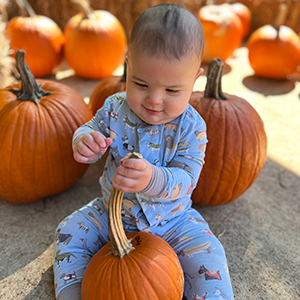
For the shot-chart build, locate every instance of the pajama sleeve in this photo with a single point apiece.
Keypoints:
(182, 172)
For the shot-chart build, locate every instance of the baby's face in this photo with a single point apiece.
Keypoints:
(158, 90)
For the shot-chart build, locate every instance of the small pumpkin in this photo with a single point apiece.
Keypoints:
(95, 43)
(222, 30)
(41, 39)
(38, 119)
(106, 88)
(137, 259)
(274, 51)
(237, 142)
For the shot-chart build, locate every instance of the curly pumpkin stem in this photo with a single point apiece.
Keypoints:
(120, 245)
(30, 90)
(213, 88)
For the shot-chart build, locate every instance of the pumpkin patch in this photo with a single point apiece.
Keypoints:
(38, 119)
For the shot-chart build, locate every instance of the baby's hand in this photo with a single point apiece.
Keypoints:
(91, 146)
(133, 176)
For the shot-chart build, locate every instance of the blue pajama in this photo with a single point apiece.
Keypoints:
(202, 256)
(175, 149)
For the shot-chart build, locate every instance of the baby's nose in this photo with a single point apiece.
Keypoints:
(154, 98)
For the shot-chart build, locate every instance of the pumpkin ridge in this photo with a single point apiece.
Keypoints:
(258, 144)
(70, 115)
(58, 107)
(136, 266)
(124, 277)
(254, 133)
(234, 109)
(157, 266)
(220, 108)
(251, 125)
(58, 141)
(44, 125)
(100, 269)
(144, 277)
(11, 132)
(105, 269)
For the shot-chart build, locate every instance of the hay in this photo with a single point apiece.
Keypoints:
(265, 12)
(127, 11)
(6, 62)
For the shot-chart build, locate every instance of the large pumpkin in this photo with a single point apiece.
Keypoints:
(38, 119)
(222, 29)
(106, 88)
(274, 51)
(95, 43)
(135, 266)
(40, 38)
(237, 143)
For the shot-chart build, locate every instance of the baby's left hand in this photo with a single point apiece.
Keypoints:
(133, 176)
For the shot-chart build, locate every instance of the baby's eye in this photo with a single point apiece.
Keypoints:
(172, 91)
(141, 85)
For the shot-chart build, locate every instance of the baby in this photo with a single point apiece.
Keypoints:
(154, 118)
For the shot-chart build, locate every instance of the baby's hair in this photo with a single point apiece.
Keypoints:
(168, 31)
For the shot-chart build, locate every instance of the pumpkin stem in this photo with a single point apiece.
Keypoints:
(120, 245)
(123, 78)
(213, 88)
(25, 8)
(85, 7)
(281, 16)
(30, 90)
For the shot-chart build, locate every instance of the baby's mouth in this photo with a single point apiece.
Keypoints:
(151, 111)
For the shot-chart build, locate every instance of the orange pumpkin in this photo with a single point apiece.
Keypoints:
(237, 142)
(245, 15)
(95, 43)
(223, 31)
(137, 259)
(40, 38)
(274, 51)
(38, 121)
(106, 88)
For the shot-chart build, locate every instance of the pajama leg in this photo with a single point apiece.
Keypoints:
(78, 237)
(202, 258)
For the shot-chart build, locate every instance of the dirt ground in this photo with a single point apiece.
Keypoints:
(260, 231)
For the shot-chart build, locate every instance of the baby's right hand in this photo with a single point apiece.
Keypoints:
(91, 146)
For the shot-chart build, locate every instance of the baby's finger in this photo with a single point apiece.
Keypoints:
(79, 158)
(136, 164)
(124, 184)
(90, 142)
(84, 149)
(99, 139)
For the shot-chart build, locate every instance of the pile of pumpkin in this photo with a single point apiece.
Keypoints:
(93, 56)
(38, 118)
